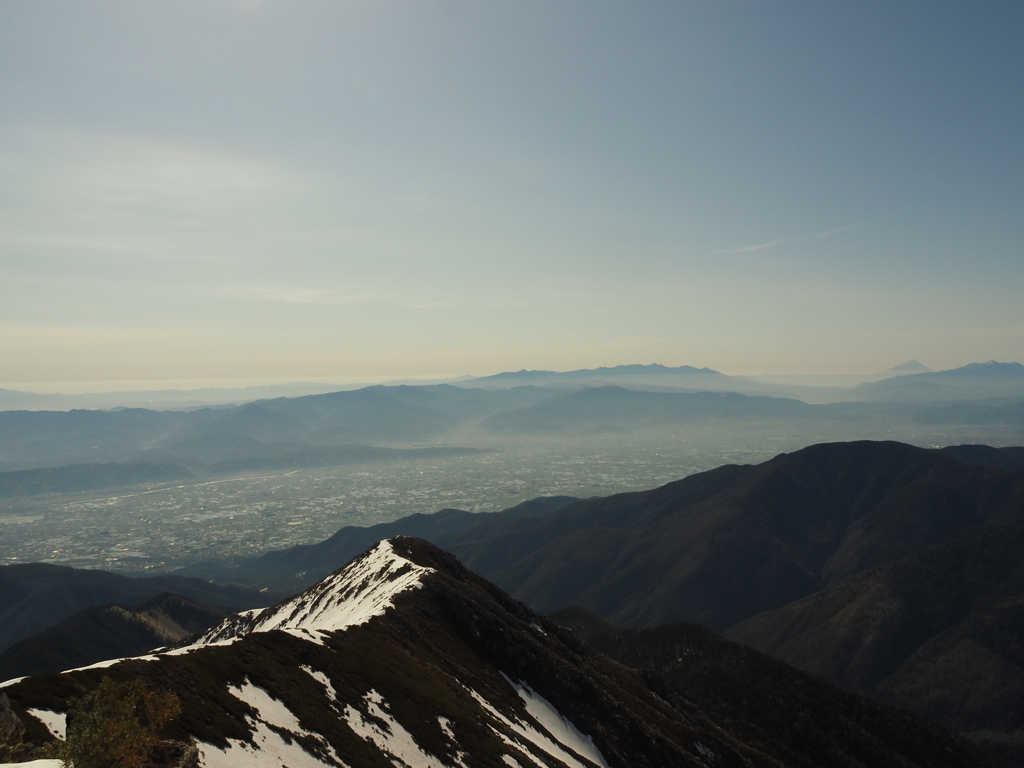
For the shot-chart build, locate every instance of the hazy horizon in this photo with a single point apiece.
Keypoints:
(260, 191)
(99, 387)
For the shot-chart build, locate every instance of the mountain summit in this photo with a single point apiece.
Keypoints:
(353, 595)
(402, 658)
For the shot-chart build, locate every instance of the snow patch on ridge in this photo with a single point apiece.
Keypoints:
(156, 654)
(556, 743)
(321, 678)
(56, 722)
(110, 662)
(557, 724)
(271, 749)
(364, 589)
(446, 728)
(392, 739)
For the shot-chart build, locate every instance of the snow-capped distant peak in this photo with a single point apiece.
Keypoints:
(363, 589)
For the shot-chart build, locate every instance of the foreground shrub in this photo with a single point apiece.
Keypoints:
(117, 725)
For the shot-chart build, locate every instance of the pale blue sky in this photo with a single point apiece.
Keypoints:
(243, 190)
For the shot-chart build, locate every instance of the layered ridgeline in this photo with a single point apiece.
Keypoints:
(135, 445)
(315, 430)
(405, 658)
(105, 631)
(35, 596)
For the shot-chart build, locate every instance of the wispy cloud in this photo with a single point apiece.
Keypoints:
(773, 243)
(35, 337)
(428, 305)
(299, 295)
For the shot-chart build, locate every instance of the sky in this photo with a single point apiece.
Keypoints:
(260, 190)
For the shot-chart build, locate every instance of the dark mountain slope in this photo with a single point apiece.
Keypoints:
(109, 631)
(721, 546)
(799, 719)
(987, 456)
(35, 596)
(938, 631)
(298, 567)
(404, 657)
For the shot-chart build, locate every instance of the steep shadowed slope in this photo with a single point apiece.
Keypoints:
(938, 631)
(987, 456)
(721, 546)
(800, 719)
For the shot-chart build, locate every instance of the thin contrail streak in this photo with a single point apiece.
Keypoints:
(773, 243)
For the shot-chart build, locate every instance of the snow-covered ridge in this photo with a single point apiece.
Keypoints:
(363, 589)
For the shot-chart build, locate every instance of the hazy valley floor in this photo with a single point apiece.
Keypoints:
(161, 527)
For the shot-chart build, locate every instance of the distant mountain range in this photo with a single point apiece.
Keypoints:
(814, 384)
(286, 432)
(976, 381)
(88, 477)
(344, 427)
(403, 657)
(602, 409)
(910, 382)
(518, 378)
(181, 399)
(398, 423)
(163, 399)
